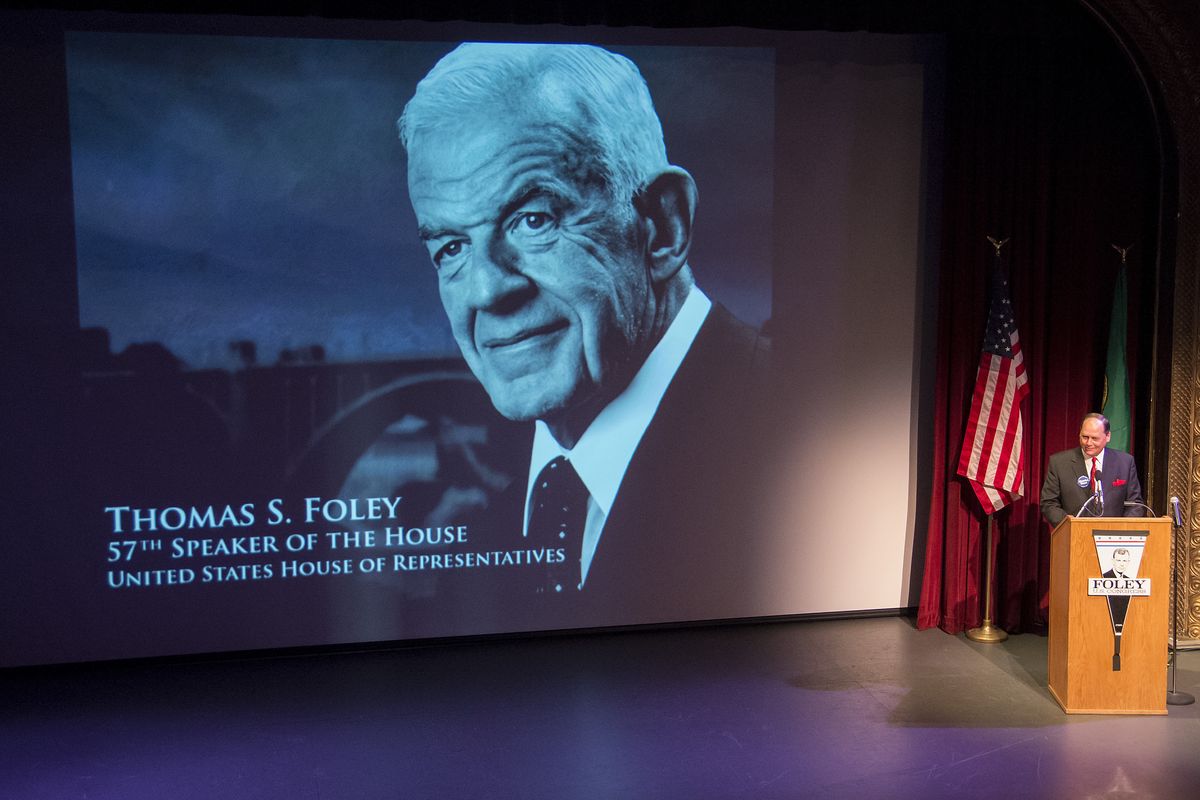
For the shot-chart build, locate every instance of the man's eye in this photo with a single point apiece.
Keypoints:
(450, 250)
(532, 222)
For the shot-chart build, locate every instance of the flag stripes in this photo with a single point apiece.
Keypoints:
(992, 452)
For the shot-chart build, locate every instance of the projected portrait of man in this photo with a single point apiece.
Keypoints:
(559, 233)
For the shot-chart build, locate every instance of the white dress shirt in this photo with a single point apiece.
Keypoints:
(1087, 462)
(604, 451)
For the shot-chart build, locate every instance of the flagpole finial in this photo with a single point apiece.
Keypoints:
(1124, 251)
(998, 243)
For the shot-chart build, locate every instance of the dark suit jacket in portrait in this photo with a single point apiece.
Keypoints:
(678, 542)
(1062, 493)
(680, 537)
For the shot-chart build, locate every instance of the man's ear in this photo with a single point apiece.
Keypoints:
(667, 206)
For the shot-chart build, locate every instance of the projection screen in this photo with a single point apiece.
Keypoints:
(315, 373)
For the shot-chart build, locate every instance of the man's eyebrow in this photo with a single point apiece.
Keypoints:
(426, 233)
(531, 191)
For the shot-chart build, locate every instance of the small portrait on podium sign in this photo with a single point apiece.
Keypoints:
(1119, 556)
(1120, 568)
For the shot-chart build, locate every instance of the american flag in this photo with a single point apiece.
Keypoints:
(991, 453)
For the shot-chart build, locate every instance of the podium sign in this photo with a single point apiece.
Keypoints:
(1109, 603)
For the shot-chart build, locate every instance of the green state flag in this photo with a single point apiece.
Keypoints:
(1115, 404)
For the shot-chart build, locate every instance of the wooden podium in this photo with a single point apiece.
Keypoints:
(1092, 669)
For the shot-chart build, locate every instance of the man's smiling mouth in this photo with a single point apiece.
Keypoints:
(524, 335)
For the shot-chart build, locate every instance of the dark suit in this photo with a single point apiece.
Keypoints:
(679, 540)
(1065, 488)
(1118, 605)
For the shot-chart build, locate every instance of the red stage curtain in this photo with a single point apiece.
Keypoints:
(1049, 141)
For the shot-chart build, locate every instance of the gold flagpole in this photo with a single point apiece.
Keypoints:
(987, 632)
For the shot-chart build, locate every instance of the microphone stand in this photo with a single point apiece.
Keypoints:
(1088, 502)
(1175, 698)
(1135, 504)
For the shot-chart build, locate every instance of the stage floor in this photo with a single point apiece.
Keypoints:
(857, 709)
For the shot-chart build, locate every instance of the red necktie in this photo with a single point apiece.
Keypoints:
(1093, 477)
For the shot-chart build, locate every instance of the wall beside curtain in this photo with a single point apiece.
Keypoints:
(1050, 143)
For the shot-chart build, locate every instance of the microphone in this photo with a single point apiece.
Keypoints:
(1100, 490)
(1136, 504)
(1175, 505)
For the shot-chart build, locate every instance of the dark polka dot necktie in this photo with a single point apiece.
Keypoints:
(556, 521)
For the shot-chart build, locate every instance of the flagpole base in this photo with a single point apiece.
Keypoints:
(987, 633)
(1179, 699)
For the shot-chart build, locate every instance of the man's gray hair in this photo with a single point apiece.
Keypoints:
(600, 94)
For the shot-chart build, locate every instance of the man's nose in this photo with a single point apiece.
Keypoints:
(496, 281)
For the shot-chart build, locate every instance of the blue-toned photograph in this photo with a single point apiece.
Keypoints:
(490, 289)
